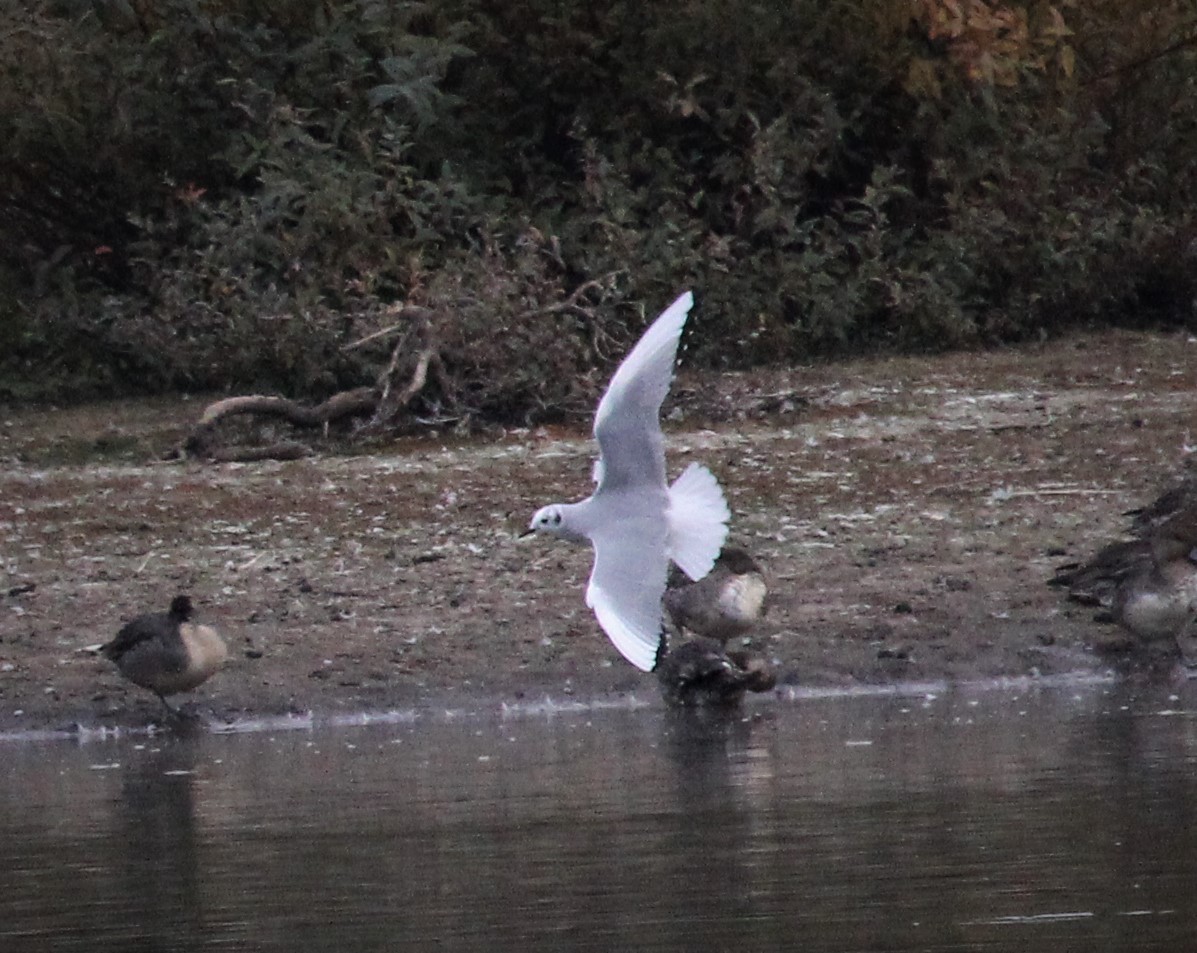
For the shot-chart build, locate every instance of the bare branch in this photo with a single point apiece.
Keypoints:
(407, 311)
(419, 377)
(571, 302)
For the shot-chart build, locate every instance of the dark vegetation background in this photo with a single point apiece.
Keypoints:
(303, 196)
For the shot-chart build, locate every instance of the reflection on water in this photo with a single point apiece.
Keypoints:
(997, 820)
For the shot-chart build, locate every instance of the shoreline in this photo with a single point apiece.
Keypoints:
(486, 711)
(907, 512)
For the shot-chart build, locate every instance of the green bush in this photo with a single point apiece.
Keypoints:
(229, 194)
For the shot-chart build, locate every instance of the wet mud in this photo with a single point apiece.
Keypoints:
(907, 512)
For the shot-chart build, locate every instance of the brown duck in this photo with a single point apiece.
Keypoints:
(166, 652)
(723, 604)
(1158, 600)
(1094, 582)
(1098, 579)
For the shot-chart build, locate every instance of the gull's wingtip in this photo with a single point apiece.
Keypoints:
(681, 304)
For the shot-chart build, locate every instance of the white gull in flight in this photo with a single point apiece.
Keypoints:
(636, 522)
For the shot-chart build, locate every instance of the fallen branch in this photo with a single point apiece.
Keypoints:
(361, 400)
(201, 442)
(382, 403)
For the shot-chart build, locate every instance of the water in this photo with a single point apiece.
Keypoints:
(980, 820)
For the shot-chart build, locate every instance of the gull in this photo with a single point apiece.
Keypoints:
(636, 522)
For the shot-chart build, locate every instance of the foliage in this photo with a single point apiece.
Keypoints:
(233, 193)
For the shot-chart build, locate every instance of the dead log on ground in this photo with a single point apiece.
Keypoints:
(202, 441)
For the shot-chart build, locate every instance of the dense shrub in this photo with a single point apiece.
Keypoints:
(232, 193)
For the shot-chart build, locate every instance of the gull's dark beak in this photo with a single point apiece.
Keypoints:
(526, 533)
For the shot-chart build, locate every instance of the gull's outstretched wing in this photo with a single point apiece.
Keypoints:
(627, 424)
(626, 587)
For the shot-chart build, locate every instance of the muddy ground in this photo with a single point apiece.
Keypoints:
(907, 510)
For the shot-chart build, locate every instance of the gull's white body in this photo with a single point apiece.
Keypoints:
(635, 521)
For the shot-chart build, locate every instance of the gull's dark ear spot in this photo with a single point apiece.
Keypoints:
(556, 518)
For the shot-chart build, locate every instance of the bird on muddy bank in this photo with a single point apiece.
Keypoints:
(636, 522)
(166, 652)
(725, 603)
(1180, 495)
(1148, 584)
(1095, 581)
(1157, 602)
(703, 673)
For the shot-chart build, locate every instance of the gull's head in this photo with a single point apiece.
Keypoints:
(548, 521)
(554, 520)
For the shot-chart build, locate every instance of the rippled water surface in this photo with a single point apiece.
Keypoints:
(1004, 819)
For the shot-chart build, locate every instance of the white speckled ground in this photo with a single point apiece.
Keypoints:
(908, 511)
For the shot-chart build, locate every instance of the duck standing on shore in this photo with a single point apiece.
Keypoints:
(1095, 581)
(166, 652)
(1158, 600)
(1148, 584)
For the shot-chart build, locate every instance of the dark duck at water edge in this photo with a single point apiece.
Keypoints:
(1095, 581)
(701, 673)
(166, 652)
(1148, 584)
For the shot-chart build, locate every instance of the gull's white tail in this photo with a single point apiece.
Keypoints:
(698, 516)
